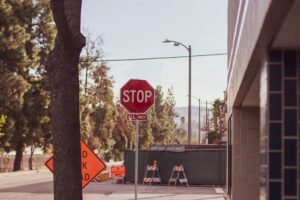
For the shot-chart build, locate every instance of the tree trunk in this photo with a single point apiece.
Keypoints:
(30, 158)
(62, 66)
(19, 156)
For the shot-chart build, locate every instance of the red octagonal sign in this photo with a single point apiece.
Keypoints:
(137, 96)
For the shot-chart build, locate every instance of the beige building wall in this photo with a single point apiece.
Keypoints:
(253, 25)
(245, 146)
(256, 24)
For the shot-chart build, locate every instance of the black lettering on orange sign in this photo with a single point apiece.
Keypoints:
(85, 177)
(84, 165)
(118, 171)
(84, 154)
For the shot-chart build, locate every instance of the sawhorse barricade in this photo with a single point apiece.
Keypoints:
(152, 175)
(178, 175)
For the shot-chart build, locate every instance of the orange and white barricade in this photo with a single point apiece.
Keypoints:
(178, 174)
(152, 175)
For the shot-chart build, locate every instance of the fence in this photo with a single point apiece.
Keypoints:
(7, 162)
(202, 167)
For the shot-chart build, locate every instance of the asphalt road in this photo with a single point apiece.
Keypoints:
(38, 185)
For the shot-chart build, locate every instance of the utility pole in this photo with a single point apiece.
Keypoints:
(199, 142)
(208, 120)
(206, 126)
(190, 97)
(206, 115)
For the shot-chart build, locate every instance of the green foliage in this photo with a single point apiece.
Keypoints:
(146, 135)
(97, 109)
(103, 108)
(90, 60)
(85, 121)
(213, 137)
(171, 115)
(181, 136)
(160, 127)
(36, 111)
(2, 123)
(123, 132)
(27, 35)
(104, 123)
(219, 126)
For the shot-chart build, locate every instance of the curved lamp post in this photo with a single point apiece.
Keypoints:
(189, 48)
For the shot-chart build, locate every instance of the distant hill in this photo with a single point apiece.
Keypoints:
(183, 111)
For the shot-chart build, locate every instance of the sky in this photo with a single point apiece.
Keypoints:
(136, 29)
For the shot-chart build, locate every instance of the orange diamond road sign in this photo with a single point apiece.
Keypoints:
(91, 165)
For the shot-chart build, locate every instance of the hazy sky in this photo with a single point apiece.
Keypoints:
(136, 29)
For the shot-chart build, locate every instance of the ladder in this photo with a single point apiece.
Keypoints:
(178, 175)
(151, 175)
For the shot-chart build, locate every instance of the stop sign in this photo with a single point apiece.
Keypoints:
(137, 96)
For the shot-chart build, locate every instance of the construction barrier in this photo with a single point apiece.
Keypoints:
(152, 174)
(118, 171)
(178, 175)
(201, 167)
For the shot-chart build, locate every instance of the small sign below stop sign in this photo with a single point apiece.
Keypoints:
(137, 96)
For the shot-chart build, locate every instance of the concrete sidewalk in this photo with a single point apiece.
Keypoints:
(38, 185)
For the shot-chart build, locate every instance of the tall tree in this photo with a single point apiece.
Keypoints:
(90, 60)
(146, 137)
(163, 124)
(15, 88)
(218, 120)
(181, 133)
(26, 37)
(171, 115)
(36, 111)
(14, 61)
(123, 132)
(37, 99)
(160, 128)
(98, 110)
(159, 119)
(104, 113)
(62, 65)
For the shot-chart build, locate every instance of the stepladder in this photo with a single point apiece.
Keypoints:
(152, 175)
(178, 175)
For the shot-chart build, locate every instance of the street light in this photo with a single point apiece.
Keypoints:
(189, 48)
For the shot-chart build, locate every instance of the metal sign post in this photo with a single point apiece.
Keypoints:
(136, 169)
(137, 96)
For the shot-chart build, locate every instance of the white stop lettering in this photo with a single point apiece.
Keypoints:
(141, 96)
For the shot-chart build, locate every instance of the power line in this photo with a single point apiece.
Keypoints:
(133, 59)
(159, 58)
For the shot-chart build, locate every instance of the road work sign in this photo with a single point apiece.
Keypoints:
(118, 171)
(91, 165)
